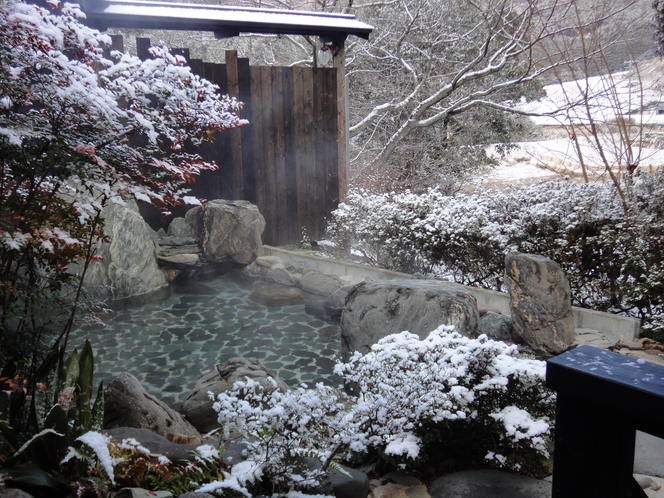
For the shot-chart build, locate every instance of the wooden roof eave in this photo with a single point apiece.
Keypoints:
(224, 21)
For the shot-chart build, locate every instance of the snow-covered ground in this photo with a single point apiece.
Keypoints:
(549, 159)
(634, 94)
(635, 97)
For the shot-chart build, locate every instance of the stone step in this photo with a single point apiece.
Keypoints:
(592, 337)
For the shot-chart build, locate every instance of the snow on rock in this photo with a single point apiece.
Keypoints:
(207, 453)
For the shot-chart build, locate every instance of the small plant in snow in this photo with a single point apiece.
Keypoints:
(305, 241)
(407, 386)
(111, 465)
(282, 429)
(408, 389)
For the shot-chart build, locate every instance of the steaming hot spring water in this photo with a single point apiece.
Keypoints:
(168, 344)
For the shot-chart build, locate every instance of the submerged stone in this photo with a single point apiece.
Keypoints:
(271, 295)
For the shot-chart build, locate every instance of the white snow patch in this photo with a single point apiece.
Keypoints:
(13, 137)
(407, 444)
(207, 452)
(99, 444)
(298, 494)
(191, 200)
(230, 482)
(247, 472)
(133, 444)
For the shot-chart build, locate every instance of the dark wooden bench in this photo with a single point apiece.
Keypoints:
(603, 399)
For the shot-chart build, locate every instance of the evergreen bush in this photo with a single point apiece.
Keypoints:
(612, 256)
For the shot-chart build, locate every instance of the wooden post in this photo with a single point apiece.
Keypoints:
(142, 46)
(281, 215)
(233, 89)
(257, 137)
(184, 52)
(117, 43)
(342, 121)
(246, 132)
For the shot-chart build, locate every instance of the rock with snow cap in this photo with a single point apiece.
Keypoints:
(154, 443)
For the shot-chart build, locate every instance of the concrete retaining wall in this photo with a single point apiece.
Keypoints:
(614, 327)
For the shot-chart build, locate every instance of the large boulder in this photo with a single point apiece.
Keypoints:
(229, 231)
(335, 303)
(540, 302)
(127, 404)
(377, 309)
(345, 483)
(127, 264)
(352, 483)
(197, 408)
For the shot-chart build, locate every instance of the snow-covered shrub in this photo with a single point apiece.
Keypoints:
(612, 252)
(445, 383)
(282, 429)
(414, 396)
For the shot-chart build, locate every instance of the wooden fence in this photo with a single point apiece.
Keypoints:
(286, 161)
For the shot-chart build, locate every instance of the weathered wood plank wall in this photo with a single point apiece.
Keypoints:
(286, 160)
